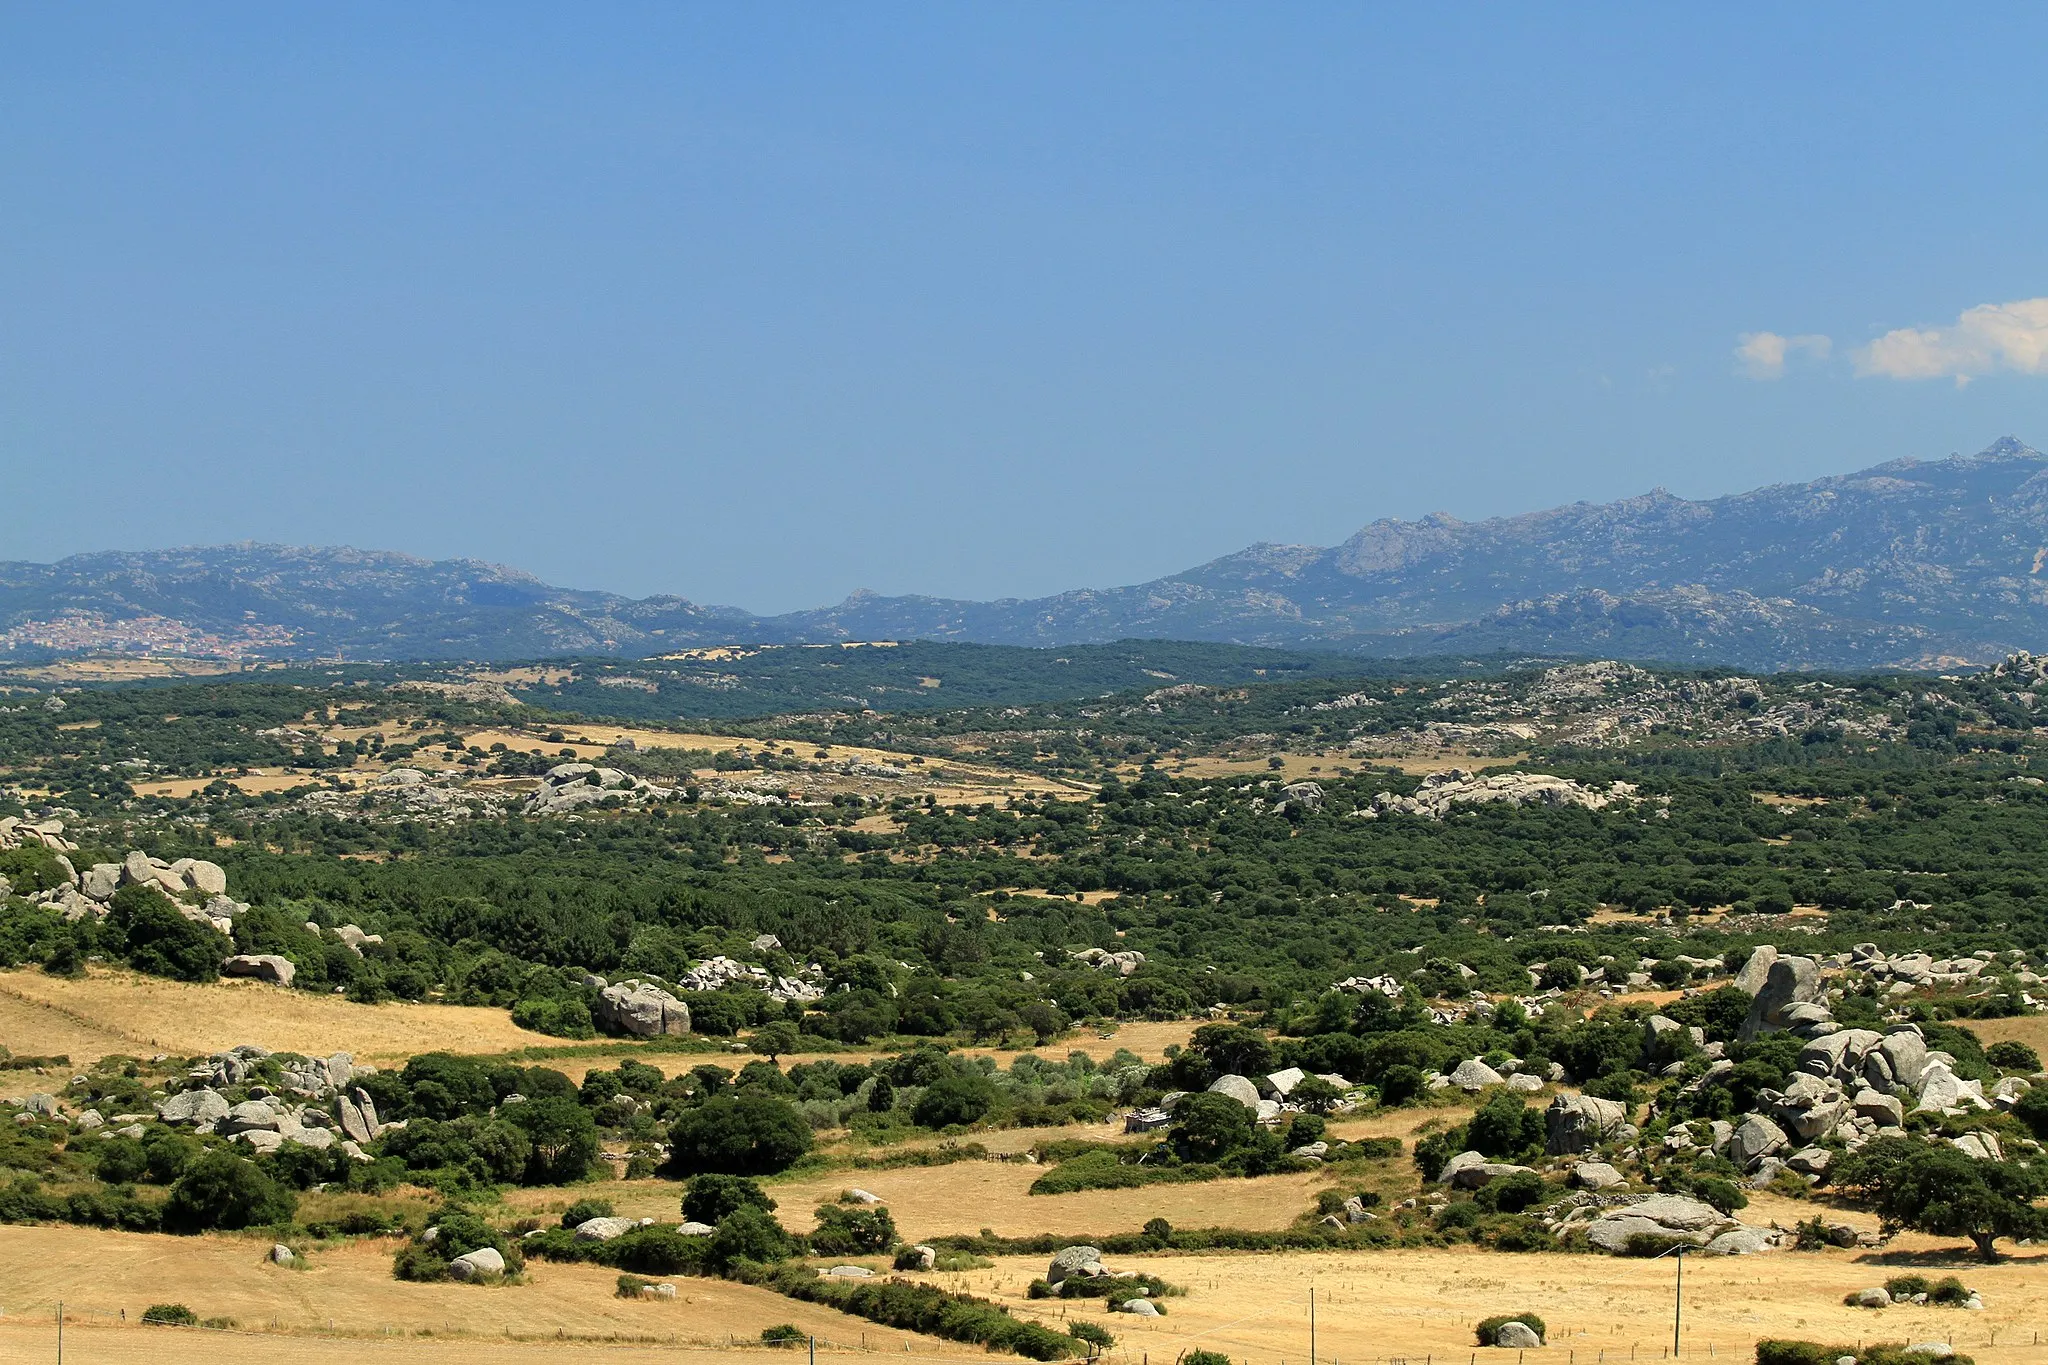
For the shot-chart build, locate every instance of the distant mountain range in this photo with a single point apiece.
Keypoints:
(1910, 564)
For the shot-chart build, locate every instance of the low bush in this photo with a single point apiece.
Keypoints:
(1103, 1171)
(1781, 1351)
(781, 1334)
(1205, 1358)
(1488, 1328)
(1117, 1288)
(923, 1308)
(629, 1287)
(170, 1315)
(1081, 1330)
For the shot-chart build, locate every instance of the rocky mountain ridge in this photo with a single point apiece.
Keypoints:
(1912, 563)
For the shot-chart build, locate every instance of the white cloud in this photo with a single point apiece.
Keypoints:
(1762, 355)
(1984, 340)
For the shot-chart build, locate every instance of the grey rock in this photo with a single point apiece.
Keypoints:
(1524, 1084)
(1756, 970)
(200, 1108)
(1143, 1308)
(280, 1254)
(1905, 1054)
(923, 1257)
(1473, 1075)
(1238, 1088)
(101, 881)
(1792, 981)
(1742, 1241)
(642, 1011)
(1883, 1110)
(1579, 1123)
(604, 1229)
(474, 1264)
(1873, 1297)
(1595, 1175)
(249, 1114)
(1517, 1336)
(695, 1229)
(1810, 1160)
(263, 966)
(1755, 1138)
(1084, 1262)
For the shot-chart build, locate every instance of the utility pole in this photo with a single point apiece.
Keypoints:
(1678, 1303)
(60, 1332)
(1311, 1326)
(814, 1348)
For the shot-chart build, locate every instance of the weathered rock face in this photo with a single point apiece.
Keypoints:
(263, 966)
(1579, 1123)
(1463, 1173)
(1755, 1138)
(642, 1011)
(1750, 980)
(1238, 1088)
(1662, 1216)
(1308, 795)
(199, 1108)
(1792, 981)
(1595, 1175)
(359, 1116)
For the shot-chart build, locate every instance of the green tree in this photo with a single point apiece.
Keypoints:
(711, 1197)
(749, 1234)
(221, 1190)
(563, 1138)
(1504, 1126)
(158, 939)
(1938, 1190)
(960, 1097)
(749, 1134)
(1208, 1127)
(776, 1039)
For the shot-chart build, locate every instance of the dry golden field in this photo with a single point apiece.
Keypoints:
(2031, 1029)
(1371, 1307)
(350, 1291)
(122, 1012)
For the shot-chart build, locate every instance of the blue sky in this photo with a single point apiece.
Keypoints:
(760, 304)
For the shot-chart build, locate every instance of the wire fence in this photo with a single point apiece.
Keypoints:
(1563, 1348)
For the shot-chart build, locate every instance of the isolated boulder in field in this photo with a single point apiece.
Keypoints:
(1874, 1297)
(1076, 1262)
(1742, 1241)
(1516, 1336)
(470, 1265)
(263, 966)
(1143, 1308)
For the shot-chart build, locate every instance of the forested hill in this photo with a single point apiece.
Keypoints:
(1908, 564)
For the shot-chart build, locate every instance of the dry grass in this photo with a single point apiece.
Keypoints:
(113, 1011)
(1424, 1302)
(351, 1288)
(2031, 1029)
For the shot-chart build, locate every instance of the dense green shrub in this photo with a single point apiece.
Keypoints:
(711, 1197)
(1103, 1171)
(222, 1190)
(842, 1231)
(926, 1308)
(170, 1315)
(1488, 1327)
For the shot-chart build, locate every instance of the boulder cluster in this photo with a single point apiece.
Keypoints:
(1440, 792)
(268, 1119)
(91, 891)
(1122, 963)
(570, 785)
